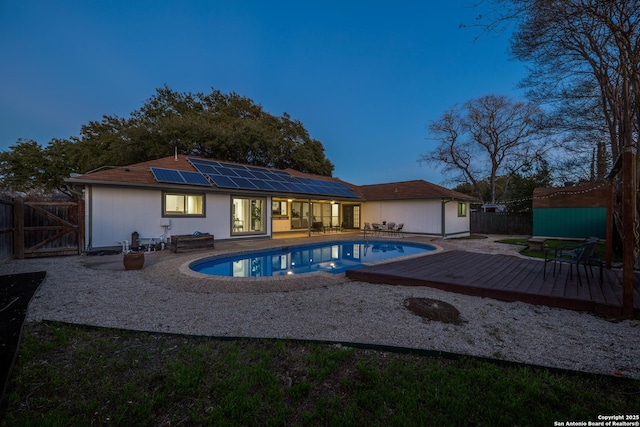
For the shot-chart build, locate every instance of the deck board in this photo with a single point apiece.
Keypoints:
(506, 278)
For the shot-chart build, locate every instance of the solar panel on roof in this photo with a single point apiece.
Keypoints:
(179, 177)
(230, 175)
(262, 185)
(244, 173)
(281, 178)
(244, 183)
(226, 171)
(233, 166)
(260, 175)
(167, 175)
(206, 168)
(222, 181)
(278, 186)
(195, 178)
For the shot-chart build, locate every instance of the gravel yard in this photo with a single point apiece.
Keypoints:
(96, 290)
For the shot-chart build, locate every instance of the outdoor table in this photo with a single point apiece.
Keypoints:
(380, 228)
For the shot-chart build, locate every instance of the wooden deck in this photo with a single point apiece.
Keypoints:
(506, 278)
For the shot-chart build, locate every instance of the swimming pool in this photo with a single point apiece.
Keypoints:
(332, 257)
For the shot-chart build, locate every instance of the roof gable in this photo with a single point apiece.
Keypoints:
(417, 189)
(139, 173)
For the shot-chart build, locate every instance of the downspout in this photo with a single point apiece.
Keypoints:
(309, 216)
(89, 218)
(442, 218)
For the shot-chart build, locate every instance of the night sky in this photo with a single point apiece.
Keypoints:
(365, 78)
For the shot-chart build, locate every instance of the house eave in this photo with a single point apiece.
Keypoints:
(435, 198)
(200, 189)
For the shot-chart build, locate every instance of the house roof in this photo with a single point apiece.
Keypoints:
(417, 189)
(140, 174)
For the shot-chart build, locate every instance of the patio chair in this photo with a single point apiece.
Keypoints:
(377, 228)
(395, 229)
(577, 256)
(367, 229)
(594, 260)
(391, 228)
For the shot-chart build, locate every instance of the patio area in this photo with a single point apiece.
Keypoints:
(473, 267)
(98, 291)
(507, 278)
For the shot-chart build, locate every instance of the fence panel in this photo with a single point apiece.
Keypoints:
(6, 228)
(51, 228)
(501, 223)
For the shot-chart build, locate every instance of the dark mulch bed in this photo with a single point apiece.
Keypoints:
(16, 291)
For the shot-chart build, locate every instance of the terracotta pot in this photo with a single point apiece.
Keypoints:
(133, 260)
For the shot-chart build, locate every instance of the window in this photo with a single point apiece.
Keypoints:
(175, 204)
(279, 208)
(462, 209)
(247, 216)
(299, 215)
(335, 214)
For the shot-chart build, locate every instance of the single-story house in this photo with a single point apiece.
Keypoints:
(180, 195)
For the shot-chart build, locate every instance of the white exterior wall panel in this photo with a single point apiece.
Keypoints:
(458, 225)
(113, 213)
(118, 212)
(418, 216)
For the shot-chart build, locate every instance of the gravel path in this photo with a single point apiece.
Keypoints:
(98, 291)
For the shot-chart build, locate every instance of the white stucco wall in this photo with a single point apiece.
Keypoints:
(113, 213)
(454, 224)
(418, 216)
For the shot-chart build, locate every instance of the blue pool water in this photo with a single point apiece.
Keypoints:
(332, 257)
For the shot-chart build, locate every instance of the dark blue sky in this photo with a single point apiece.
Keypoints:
(364, 77)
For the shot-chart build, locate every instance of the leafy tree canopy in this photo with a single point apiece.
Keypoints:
(584, 60)
(216, 125)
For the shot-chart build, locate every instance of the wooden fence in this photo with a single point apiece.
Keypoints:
(6, 228)
(36, 228)
(520, 223)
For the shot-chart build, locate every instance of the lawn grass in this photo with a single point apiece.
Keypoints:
(75, 375)
(552, 244)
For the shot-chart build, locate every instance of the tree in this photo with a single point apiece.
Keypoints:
(491, 136)
(519, 194)
(574, 41)
(22, 167)
(28, 168)
(226, 127)
(578, 44)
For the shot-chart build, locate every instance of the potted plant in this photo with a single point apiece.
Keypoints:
(133, 260)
